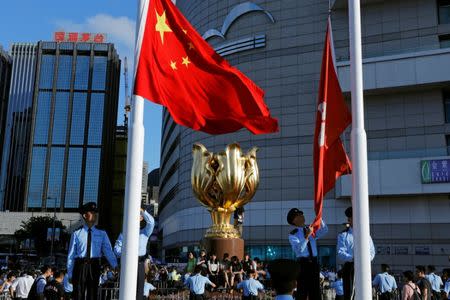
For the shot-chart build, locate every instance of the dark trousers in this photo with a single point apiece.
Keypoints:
(435, 295)
(348, 272)
(251, 297)
(386, 296)
(308, 281)
(140, 279)
(86, 273)
(193, 296)
(67, 296)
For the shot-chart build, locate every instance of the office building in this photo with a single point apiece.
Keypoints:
(278, 44)
(67, 116)
(144, 192)
(115, 216)
(5, 81)
(15, 149)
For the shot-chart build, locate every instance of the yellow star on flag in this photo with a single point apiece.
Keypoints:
(173, 65)
(161, 25)
(184, 30)
(191, 46)
(186, 61)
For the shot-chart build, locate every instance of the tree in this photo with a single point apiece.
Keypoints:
(36, 229)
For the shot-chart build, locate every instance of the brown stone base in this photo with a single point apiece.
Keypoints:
(219, 246)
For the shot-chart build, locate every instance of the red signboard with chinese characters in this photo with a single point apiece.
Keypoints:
(86, 37)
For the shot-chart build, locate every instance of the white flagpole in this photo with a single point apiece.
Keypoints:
(135, 154)
(360, 190)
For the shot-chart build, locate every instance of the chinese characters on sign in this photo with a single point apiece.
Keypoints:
(86, 37)
(435, 171)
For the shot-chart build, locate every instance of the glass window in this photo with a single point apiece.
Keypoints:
(37, 172)
(60, 118)
(92, 175)
(447, 106)
(49, 45)
(78, 119)
(46, 73)
(64, 72)
(82, 73)
(83, 46)
(55, 176)
(444, 41)
(101, 47)
(42, 118)
(99, 73)
(444, 11)
(447, 140)
(66, 46)
(270, 252)
(73, 178)
(96, 119)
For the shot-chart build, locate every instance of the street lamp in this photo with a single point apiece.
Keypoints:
(53, 227)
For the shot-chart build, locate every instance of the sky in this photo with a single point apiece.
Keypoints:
(34, 20)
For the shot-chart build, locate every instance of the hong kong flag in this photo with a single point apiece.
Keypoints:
(201, 90)
(332, 117)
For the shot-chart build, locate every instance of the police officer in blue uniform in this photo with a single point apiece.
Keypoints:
(87, 245)
(196, 284)
(147, 223)
(385, 284)
(305, 248)
(250, 286)
(345, 254)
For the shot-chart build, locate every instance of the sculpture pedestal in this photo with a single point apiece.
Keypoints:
(219, 246)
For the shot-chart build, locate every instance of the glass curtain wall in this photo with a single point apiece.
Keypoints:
(68, 129)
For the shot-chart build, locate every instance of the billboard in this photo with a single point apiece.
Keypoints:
(435, 170)
(81, 37)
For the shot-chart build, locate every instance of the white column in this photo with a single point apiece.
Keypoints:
(360, 194)
(132, 201)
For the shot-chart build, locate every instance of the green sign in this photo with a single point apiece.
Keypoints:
(425, 171)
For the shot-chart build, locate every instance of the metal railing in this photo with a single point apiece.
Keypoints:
(108, 293)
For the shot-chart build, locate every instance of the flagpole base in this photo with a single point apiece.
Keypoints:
(220, 246)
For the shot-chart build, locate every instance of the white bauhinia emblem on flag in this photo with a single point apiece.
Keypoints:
(322, 108)
(332, 117)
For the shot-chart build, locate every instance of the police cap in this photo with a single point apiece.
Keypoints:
(292, 214)
(349, 212)
(90, 206)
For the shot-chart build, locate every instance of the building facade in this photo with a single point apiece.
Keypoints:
(279, 45)
(5, 81)
(69, 128)
(115, 210)
(15, 149)
(144, 192)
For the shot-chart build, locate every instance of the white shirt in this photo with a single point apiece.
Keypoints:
(22, 286)
(331, 276)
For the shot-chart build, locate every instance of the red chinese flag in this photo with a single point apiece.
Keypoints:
(201, 90)
(332, 117)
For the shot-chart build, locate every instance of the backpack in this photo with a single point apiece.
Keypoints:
(416, 295)
(32, 295)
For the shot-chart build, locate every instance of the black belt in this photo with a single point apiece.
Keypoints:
(86, 260)
(142, 258)
(307, 259)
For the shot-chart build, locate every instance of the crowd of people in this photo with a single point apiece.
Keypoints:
(47, 283)
(206, 273)
(88, 274)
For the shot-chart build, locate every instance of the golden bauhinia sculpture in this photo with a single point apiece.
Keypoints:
(223, 182)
